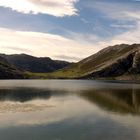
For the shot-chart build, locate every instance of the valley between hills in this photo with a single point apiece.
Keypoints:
(119, 62)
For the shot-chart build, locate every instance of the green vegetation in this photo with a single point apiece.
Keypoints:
(108, 62)
(120, 62)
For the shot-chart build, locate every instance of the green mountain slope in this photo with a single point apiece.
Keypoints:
(121, 62)
(113, 61)
(8, 71)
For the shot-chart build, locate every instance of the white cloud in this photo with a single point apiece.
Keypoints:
(58, 8)
(129, 37)
(118, 10)
(44, 44)
(126, 26)
(74, 49)
(125, 16)
(59, 47)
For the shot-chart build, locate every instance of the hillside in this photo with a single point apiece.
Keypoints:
(119, 62)
(8, 71)
(35, 64)
(114, 62)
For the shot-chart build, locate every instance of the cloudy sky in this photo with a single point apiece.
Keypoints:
(67, 29)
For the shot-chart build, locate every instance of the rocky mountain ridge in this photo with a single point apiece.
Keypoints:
(111, 62)
(119, 62)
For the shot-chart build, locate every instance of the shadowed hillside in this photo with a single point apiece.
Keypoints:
(35, 64)
(119, 62)
(8, 71)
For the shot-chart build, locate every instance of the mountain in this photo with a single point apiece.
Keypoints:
(119, 62)
(8, 71)
(114, 62)
(35, 64)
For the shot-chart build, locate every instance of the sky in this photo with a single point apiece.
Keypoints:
(67, 29)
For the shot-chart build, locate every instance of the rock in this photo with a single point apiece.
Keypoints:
(136, 62)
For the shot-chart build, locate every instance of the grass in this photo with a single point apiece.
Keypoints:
(88, 65)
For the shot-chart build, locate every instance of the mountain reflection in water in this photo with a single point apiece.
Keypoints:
(115, 100)
(111, 99)
(69, 110)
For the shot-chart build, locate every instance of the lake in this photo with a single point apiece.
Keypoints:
(69, 110)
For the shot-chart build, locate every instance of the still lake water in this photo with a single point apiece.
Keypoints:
(69, 110)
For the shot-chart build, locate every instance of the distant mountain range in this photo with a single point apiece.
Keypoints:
(34, 64)
(15, 66)
(121, 62)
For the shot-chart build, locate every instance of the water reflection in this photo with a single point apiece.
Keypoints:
(69, 110)
(27, 99)
(116, 100)
(28, 94)
(111, 99)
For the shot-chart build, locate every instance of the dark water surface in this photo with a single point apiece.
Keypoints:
(69, 110)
